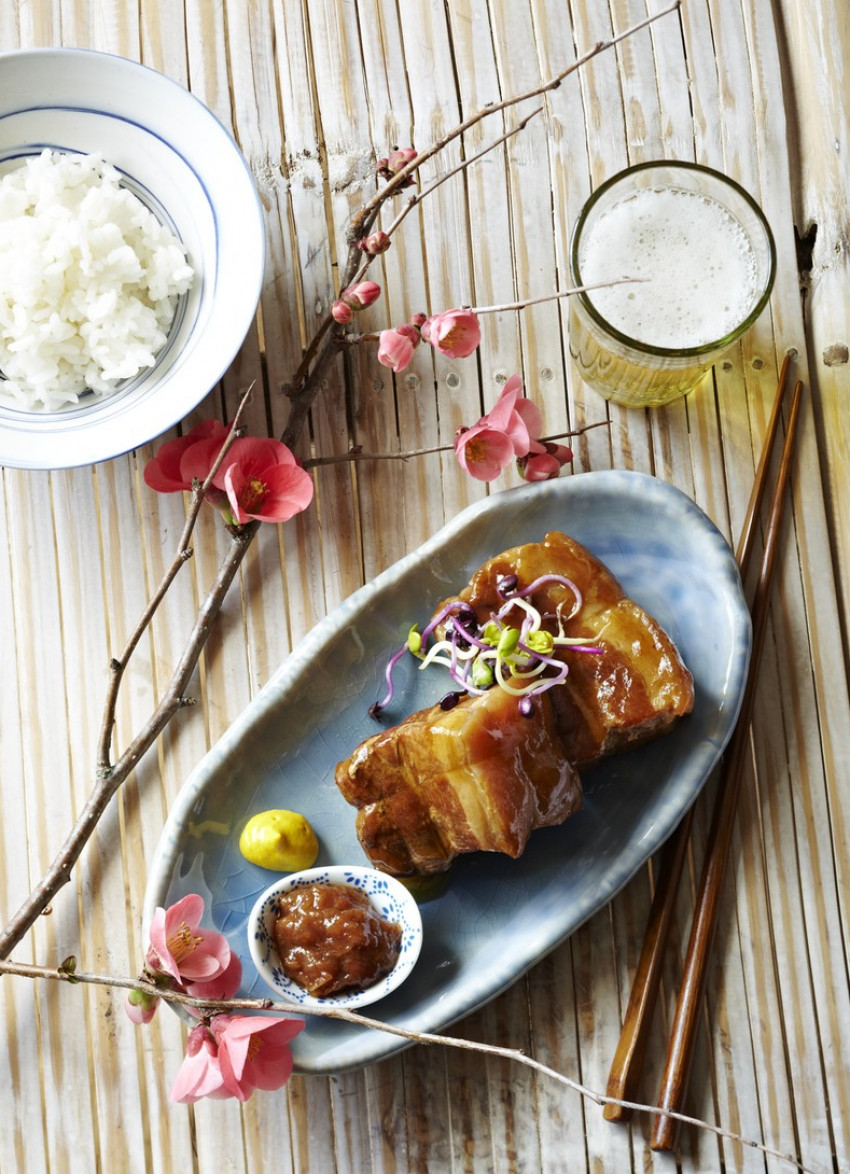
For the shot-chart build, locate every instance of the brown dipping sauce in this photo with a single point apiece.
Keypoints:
(330, 939)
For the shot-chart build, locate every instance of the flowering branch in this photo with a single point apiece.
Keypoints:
(357, 454)
(366, 217)
(417, 197)
(401, 177)
(352, 339)
(68, 973)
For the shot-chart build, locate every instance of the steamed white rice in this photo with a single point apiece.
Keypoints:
(89, 281)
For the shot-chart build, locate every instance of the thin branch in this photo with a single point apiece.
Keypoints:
(551, 297)
(417, 197)
(367, 213)
(71, 975)
(118, 664)
(107, 783)
(357, 454)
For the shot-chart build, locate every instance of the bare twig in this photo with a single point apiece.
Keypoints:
(73, 976)
(551, 297)
(184, 552)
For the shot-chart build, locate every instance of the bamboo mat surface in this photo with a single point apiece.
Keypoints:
(315, 91)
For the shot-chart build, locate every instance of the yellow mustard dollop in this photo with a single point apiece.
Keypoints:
(280, 840)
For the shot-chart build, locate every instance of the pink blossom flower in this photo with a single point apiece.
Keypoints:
(516, 416)
(483, 452)
(396, 347)
(352, 298)
(253, 1051)
(234, 1056)
(455, 333)
(264, 481)
(400, 157)
(165, 473)
(544, 461)
(223, 986)
(181, 948)
(509, 431)
(200, 1073)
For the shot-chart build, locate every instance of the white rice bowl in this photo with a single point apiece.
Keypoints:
(89, 281)
(186, 168)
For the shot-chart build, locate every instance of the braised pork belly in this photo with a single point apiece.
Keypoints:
(477, 777)
(482, 774)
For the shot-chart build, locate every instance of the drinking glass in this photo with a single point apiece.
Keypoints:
(705, 260)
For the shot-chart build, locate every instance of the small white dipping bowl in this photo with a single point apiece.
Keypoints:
(390, 899)
(185, 166)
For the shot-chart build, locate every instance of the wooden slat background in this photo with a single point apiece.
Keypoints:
(314, 90)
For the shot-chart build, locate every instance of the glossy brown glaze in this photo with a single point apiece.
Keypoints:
(330, 938)
(478, 777)
(634, 688)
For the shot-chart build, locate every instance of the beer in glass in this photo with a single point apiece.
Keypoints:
(704, 259)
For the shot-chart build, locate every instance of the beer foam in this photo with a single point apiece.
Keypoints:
(697, 265)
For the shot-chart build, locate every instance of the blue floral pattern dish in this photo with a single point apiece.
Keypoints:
(497, 916)
(389, 898)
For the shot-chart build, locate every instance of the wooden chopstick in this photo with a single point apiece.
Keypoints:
(683, 1035)
(629, 1057)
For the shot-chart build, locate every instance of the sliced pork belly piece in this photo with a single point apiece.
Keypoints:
(635, 688)
(477, 777)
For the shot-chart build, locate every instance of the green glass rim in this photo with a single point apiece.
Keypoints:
(646, 348)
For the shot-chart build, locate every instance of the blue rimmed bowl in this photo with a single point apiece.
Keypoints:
(389, 898)
(172, 153)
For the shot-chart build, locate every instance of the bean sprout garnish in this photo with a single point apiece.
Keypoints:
(522, 660)
(507, 585)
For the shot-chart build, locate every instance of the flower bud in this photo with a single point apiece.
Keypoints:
(544, 462)
(141, 1006)
(341, 312)
(375, 243)
(361, 295)
(396, 346)
(398, 159)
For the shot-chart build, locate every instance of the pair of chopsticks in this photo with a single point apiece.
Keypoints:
(631, 1051)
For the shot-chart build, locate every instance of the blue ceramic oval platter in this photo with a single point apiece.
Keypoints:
(496, 917)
